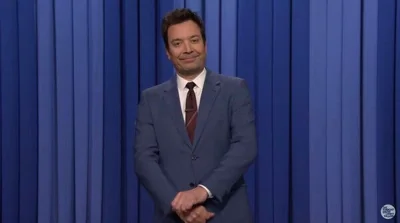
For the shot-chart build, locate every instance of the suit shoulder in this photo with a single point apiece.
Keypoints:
(232, 81)
(155, 90)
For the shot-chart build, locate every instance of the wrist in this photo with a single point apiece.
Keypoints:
(203, 195)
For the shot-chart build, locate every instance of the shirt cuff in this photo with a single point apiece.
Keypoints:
(208, 191)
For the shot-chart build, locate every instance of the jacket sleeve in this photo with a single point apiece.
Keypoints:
(146, 159)
(243, 146)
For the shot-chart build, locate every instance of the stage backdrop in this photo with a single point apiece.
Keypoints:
(323, 75)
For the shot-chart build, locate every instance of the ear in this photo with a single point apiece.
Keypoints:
(167, 53)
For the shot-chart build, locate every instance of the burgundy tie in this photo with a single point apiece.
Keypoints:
(191, 110)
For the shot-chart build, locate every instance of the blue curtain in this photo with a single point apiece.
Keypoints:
(324, 76)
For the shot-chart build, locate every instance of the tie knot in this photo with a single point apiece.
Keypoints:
(190, 85)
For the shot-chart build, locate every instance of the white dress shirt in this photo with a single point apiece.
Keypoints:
(198, 89)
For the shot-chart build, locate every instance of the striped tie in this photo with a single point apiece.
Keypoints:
(191, 111)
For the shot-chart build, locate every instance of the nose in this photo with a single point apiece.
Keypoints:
(188, 47)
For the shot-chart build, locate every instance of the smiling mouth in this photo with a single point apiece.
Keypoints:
(191, 59)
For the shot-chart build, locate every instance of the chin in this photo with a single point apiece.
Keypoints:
(190, 71)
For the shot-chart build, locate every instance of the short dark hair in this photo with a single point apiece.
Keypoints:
(178, 16)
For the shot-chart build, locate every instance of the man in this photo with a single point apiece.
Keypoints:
(195, 134)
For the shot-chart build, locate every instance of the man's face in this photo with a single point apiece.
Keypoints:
(187, 50)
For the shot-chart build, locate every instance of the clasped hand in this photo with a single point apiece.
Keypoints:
(198, 214)
(184, 204)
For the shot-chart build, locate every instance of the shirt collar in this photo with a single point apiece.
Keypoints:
(199, 80)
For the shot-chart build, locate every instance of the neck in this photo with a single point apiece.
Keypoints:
(190, 77)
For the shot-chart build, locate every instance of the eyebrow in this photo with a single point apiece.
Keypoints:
(179, 39)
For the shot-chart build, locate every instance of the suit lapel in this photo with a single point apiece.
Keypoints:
(209, 94)
(171, 98)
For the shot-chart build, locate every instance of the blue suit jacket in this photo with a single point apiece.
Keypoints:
(224, 147)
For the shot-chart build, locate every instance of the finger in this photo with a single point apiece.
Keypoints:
(177, 198)
(194, 217)
(190, 219)
(176, 203)
(199, 219)
(173, 203)
(183, 203)
(200, 215)
(210, 215)
(186, 205)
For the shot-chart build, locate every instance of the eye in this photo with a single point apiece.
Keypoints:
(176, 44)
(195, 40)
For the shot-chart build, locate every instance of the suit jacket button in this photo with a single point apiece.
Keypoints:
(194, 157)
